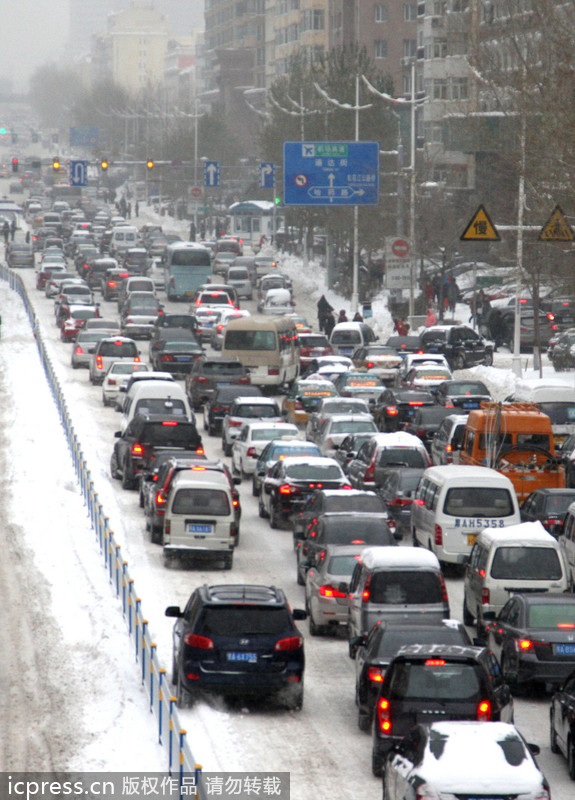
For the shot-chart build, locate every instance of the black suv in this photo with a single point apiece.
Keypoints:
(216, 409)
(143, 438)
(238, 639)
(461, 345)
(437, 683)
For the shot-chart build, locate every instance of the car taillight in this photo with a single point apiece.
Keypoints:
(392, 411)
(418, 502)
(383, 715)
(443, 589)
(167, 357)
(375, 674)
(522, 645)
(399, 502)
(232, 423)
(346, 486)
(366, 593)
(273, 371)
(438, 535)
(202, 379)
(99, 362)
(483, 711)
(200, 451)
(160, 498)
(291, 643)
(286, 489)
(298, 406)
(330, 591)
(245, 379)
(137, 449)
(369, 476)
(252, 452)
(78, 350)
(201, 642)
(485, 596)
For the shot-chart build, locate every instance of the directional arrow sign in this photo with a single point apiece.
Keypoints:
(331, 173)
(212, 173)
(267, 175)
(78, 173)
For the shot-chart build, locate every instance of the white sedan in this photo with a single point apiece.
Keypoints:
(253, 437)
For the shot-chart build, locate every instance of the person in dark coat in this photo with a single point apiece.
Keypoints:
(6, 231)
(323, 309)
(342, 316)
(329, 323)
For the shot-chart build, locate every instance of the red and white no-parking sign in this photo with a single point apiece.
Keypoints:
(196, 191)
(400, 248)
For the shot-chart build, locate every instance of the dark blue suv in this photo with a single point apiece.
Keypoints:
(238, 640)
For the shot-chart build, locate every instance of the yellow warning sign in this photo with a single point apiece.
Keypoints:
(556, 229)
(480, 229)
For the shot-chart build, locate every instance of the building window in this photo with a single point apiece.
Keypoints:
(380, 48)
(439, 8)
(381, 12)
(313, 20)
(459, 89)
(409, 48)
(438, 48)
(440, 89)
(410, 12)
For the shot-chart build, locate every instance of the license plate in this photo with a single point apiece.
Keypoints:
(250, 658)
(470, 405)
(194, 527)
(224, 383)
(565, 649)
(471, 537)
(184, 359)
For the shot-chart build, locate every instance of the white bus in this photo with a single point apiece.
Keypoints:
(187, 266)
(269, 348)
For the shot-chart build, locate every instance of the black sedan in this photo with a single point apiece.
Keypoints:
(534, 638)
(462, 394)
(374, 652)
(349, 448)
(562, 723)
(292, 481)
(395, 407)
(176, 356)
(549, 507)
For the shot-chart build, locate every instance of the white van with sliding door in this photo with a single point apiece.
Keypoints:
(454, 503)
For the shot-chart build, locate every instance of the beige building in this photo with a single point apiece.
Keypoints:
(133, 50)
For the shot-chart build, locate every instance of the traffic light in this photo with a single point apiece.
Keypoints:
(14, 165)
(56, 164)
(103, 165)
(277, 201)
(150, 164)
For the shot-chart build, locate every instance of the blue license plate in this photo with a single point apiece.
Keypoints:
(194, 527)
(471, 405)
(250, 658)
(183, 358)
(565, 649)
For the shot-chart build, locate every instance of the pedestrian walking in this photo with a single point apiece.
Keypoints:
(6, 231)
(323, 309)
(13, 229)
(357, 317)
(342, 316)
(430, 319)
(137, 209)
(329, 323)
(192, 231)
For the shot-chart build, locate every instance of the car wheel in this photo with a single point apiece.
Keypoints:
(571, 758)
(114, 467)
(558, 366)
(127, 479)
(459, 361)
(255, 489)
(243, 475)
(552, 735)
(274, 522)
(467, 615)
(211, 430)
(227, 448)
(488, 360)
(480, 630)
(105, 402)
(228, 560)
(156, 536)
(377, 762)
(315, 630)
(415, 539)
(294, 698)
(261, 510)
(364, 719)
(185, 698)
(174, 678)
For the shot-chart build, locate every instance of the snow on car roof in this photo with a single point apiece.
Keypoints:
(523, 534)
(256, 400)
(399, 439)
(394, 557)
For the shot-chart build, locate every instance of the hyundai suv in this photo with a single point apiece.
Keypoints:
(429, 683)
(238, 639)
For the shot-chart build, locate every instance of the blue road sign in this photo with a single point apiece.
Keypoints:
(331, 173)
(212, 173)
(267, 175)
(78, 173)
(84, 137)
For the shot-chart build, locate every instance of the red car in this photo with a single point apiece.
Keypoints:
(313, 345)
(73, 318)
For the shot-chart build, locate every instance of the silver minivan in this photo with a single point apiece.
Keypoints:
(396, 584)
(239, 279)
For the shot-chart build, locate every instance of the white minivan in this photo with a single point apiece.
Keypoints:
(156, 397)
(454, 503)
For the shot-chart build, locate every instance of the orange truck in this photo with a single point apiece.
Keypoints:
(517, 440)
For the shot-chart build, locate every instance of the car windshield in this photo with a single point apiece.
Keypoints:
(367, 381)
(160, 405)
(182, 347)
(240, 620)
(459, 389)
(343, 566)
(143, 305)
(346, 337)
(265, 434)
(394, 638)
(201, 501)
(170, 433)
(353, 426)
(546, 615)
(306, 340)
(229, 369)
(279, 452)
(257, 412)
(365, 503)
(405, 587)
(313, 472)
(402, 457)
(439, 680)
(125, 368)
(477, 501)
(118, 349)
(526, 563)
(558, 503)
(250, 340)
(369, 532)
(559, 413)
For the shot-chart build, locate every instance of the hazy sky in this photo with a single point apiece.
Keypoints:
(32, 32)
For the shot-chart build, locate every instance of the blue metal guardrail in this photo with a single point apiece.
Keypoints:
(171, 735)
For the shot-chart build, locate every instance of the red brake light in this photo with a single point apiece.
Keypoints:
(251, 452)
(484, 596)
(392, 411)
(201, 642)
(78, 350)
(435, 662)
(383, 715)
(438, 535)
(418, 502)
(291, 643)
(201, 379)
(369, 476)
(375, 674)
(565, 625)
(484, 711)
(524, 644)
(160, 499)
(137, 449)
(329, 591)
(399, 502)
(285, 489)
(170, 423)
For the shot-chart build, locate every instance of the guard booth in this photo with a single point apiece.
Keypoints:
(251, 219)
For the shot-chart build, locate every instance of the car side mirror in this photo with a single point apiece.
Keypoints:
(343, 586)
(118, 435)
(299, 614)
(173, 611)
(533, 748)
(237, 481)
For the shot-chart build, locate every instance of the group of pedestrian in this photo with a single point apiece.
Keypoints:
(9, 230)
(326, 317)
(445, 295)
